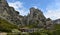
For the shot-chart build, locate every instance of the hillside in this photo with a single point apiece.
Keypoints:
(34, 21)
(9, 13)
(5, 26)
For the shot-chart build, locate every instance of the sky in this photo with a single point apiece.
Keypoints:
(50, 8)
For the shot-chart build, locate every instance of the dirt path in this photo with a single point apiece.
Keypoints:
(3, 33)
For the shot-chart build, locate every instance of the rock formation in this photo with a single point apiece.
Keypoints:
(35, 17)
(49, 24)
(9, 13)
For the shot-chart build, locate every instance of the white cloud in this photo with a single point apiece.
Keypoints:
(53, 10)
(53, 14)
(23, 12)
(18, 6)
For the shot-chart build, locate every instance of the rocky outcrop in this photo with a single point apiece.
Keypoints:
(49, 24)
(37, 19)
(34, 18)
(9, 13)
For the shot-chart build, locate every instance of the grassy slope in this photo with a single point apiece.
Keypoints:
(5, 26)
(57, 26)
(57, 29)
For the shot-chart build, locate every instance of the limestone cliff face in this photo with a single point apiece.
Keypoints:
(36, 14)
(9, 13)
(35, 17)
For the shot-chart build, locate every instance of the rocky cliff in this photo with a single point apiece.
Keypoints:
(37, 19)
(9, 13)
(34, 18)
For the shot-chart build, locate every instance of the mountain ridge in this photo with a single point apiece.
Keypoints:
(35, 17)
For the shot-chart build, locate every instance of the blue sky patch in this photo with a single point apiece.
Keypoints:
(49, 8)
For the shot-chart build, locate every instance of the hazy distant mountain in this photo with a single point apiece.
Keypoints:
(57, 21)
